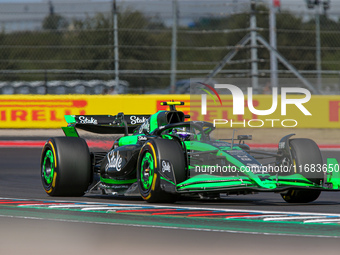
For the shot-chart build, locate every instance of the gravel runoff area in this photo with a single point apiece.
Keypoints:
(260, 135)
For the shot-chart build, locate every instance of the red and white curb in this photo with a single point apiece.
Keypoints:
(174, 211)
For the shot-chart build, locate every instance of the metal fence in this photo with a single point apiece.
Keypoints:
(153, 45)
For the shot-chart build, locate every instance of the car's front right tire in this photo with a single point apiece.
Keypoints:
(305, 154)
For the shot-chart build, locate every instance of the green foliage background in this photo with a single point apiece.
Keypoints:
(145, 44)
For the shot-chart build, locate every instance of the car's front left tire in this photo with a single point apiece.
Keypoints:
(149, 169)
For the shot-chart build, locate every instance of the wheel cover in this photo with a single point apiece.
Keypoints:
(48, 167)
(147, 170)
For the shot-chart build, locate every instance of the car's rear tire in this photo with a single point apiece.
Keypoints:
(305, 154)
(65, 166)
(149, 167)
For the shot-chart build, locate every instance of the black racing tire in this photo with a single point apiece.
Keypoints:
(65, 166)
(149, 167)
(301, 196)
(305, 152)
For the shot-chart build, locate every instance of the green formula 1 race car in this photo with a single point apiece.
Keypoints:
(163, 157)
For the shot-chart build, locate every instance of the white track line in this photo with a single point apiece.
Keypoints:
(293, 218)
(108, 208)
(323, 221)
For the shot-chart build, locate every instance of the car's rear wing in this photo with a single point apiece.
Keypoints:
(104, 124)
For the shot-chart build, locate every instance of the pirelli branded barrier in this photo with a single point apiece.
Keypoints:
(31, 111)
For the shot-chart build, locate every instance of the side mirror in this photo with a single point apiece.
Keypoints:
(244, 137)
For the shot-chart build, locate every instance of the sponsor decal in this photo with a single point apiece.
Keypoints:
(137, 120)
(114, 161)
(43, 103)
(245, 158)
(166, 166)
(86, 120)
(38, 111)
(282, 145)
(48, 111)
(142, 138)
(220, 144)
(144, 127)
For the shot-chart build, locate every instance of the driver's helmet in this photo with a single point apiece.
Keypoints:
(183, 133)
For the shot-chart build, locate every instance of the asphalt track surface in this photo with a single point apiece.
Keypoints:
(34, 223)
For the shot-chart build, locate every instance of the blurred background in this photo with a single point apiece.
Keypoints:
(156, 46)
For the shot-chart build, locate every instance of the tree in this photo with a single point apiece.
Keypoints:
(54, 22)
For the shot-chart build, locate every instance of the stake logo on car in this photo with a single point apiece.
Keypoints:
(114, 161)
(85, 120)
(136, 120)
(165, 166)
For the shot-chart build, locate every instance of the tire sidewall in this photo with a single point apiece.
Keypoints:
(161, 149)
(305, 152)
(48, 187)
(145, 149)
(72, 166)
(307, 155)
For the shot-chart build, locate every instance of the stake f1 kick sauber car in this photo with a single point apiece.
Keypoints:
(164, 157)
